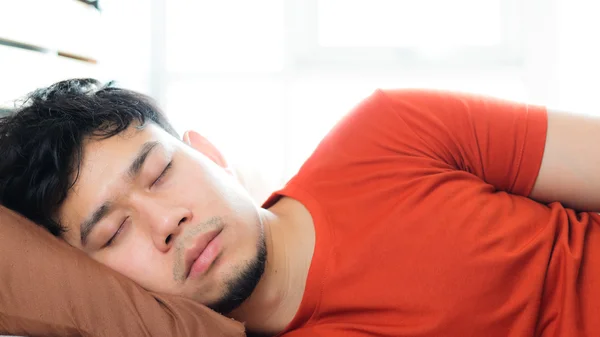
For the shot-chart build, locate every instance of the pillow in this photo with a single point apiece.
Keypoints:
(48, 288)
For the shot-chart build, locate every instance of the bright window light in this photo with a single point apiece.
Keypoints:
(224, 35)
(409, 23)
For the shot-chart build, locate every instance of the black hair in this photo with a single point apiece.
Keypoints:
(41, 141)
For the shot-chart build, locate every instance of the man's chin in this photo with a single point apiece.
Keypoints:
(239, 289)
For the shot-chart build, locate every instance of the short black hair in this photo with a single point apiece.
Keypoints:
(41, 141)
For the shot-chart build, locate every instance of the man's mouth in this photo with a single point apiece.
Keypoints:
(202, 253)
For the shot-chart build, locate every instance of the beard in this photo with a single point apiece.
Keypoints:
(238, 289)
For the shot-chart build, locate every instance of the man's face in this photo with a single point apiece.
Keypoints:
(166, 216)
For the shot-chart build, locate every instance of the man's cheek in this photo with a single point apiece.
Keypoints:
(138, 264)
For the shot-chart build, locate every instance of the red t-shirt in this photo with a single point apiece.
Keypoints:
(423, 227)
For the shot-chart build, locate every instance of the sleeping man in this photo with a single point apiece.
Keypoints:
(421, 213)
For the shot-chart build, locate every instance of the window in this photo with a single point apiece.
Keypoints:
(266, 79)
(224, 36)
(410, 24)
(409, 34)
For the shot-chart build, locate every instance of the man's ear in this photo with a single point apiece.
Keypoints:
(203, 145)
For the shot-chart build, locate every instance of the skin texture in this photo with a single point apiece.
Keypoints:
(569, 170)
(161, 219)
(263, 255)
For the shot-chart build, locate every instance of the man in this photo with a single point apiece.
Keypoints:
(415, 216)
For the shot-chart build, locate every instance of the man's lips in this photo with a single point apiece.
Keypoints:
(195, 251)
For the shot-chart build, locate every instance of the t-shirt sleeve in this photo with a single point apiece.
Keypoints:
(499, 141)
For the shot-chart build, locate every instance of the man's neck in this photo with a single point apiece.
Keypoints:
(290, 240)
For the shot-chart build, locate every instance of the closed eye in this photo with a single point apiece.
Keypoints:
(163, 173)
(112, 239)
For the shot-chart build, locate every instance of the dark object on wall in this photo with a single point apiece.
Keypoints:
(93, 3)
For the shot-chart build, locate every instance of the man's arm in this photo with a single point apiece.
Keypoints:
(570, 171)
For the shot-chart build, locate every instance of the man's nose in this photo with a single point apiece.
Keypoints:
(165, 222)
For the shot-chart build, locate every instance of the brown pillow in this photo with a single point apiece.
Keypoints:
(48, 288)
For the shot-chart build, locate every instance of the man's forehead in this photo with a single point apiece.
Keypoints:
(129, 138)
(102, 159)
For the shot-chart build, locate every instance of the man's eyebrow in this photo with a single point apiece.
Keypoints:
(89, 224)
(133, 171)
(138, 162)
